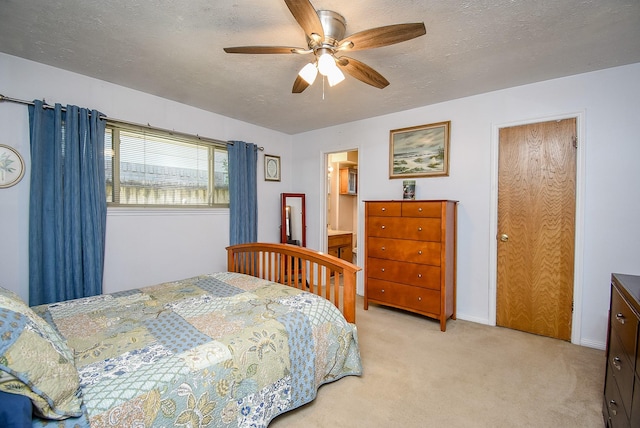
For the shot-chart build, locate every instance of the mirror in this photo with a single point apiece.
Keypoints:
(293, 227)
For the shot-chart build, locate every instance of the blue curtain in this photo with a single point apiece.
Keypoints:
(243, 203)
(67, 207)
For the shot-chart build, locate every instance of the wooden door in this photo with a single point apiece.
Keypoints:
(536, 227)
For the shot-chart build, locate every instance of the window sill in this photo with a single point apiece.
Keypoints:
(164, 211)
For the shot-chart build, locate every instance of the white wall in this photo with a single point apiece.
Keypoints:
(609, 211)
(144, 249)
(141, 249)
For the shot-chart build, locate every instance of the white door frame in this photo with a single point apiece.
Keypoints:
(578, 280)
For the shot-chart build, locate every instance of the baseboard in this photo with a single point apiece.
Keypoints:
(593, 344)
(586, 342)
(478, 320)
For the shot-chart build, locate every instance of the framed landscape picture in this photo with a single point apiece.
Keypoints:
(419, 151)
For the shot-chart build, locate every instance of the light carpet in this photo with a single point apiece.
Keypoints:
(472, 375)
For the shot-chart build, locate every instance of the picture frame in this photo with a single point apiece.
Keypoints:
(11, 166)
(271, 168)
(419, 151)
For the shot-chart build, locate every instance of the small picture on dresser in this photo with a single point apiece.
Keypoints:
(419, 151)
(409, 189)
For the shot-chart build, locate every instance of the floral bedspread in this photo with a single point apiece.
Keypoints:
(218, 350)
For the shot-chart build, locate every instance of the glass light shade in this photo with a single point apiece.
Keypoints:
(309, 73)
(335, 76)
(325, 64)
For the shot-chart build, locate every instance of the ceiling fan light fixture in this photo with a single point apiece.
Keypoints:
(335, 76)
(309, 73)
(326, 63)
(327, 66)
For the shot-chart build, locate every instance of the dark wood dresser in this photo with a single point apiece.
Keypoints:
(621, 407)
(410, 256)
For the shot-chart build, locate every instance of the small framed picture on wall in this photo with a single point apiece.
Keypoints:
(271, 168)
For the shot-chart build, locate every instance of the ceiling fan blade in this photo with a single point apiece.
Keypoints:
(299, 85)
(267, 50)
(382, 36)
(362, 72)
(306, 15)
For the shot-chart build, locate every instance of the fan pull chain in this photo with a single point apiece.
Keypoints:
(322, 88)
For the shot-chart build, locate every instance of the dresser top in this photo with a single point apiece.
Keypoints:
(630, 286)
(411, 200)
(333, 232)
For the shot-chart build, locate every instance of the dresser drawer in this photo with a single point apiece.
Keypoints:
(385, 208)
(340, 240)
(404, 250)
(621, 369)
(404, 296)
(624, 323)
(613, 405)
(425, 276)
(422, 209)
(421, 229)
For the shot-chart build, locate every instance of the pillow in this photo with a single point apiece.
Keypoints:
(35, 361)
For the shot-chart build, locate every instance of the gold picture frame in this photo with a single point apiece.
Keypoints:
(11, 166)
(419, 151)
(271, 168)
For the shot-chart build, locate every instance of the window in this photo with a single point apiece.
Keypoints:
(151, 167)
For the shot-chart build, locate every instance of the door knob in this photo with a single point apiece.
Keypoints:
(504, 237)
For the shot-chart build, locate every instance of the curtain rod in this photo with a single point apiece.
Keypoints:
(124, 122)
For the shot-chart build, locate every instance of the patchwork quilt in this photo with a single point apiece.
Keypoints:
(218, 350)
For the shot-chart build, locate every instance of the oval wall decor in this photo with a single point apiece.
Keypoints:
(11, 166)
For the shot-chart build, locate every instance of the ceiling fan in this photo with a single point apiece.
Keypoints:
(325, 31)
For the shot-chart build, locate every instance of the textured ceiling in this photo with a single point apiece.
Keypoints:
(173, 49)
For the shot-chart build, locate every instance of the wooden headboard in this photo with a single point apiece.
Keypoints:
(299, 267)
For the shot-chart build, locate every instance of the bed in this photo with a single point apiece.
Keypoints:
(227, 349)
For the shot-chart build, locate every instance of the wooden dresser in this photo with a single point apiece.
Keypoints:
(621, 407)
(410, 256)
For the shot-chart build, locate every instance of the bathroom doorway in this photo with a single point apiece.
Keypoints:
(342, 204)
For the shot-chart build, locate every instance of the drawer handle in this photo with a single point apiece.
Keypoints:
(382, 269)
(419, 252)
(382, 290)
(617, 363)
(419, 229)
(382, 248)
(620, 317)
(383, 226)
(419, 210)
(419, 299)
(613, 407)
(384, 209)
(419, 275)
